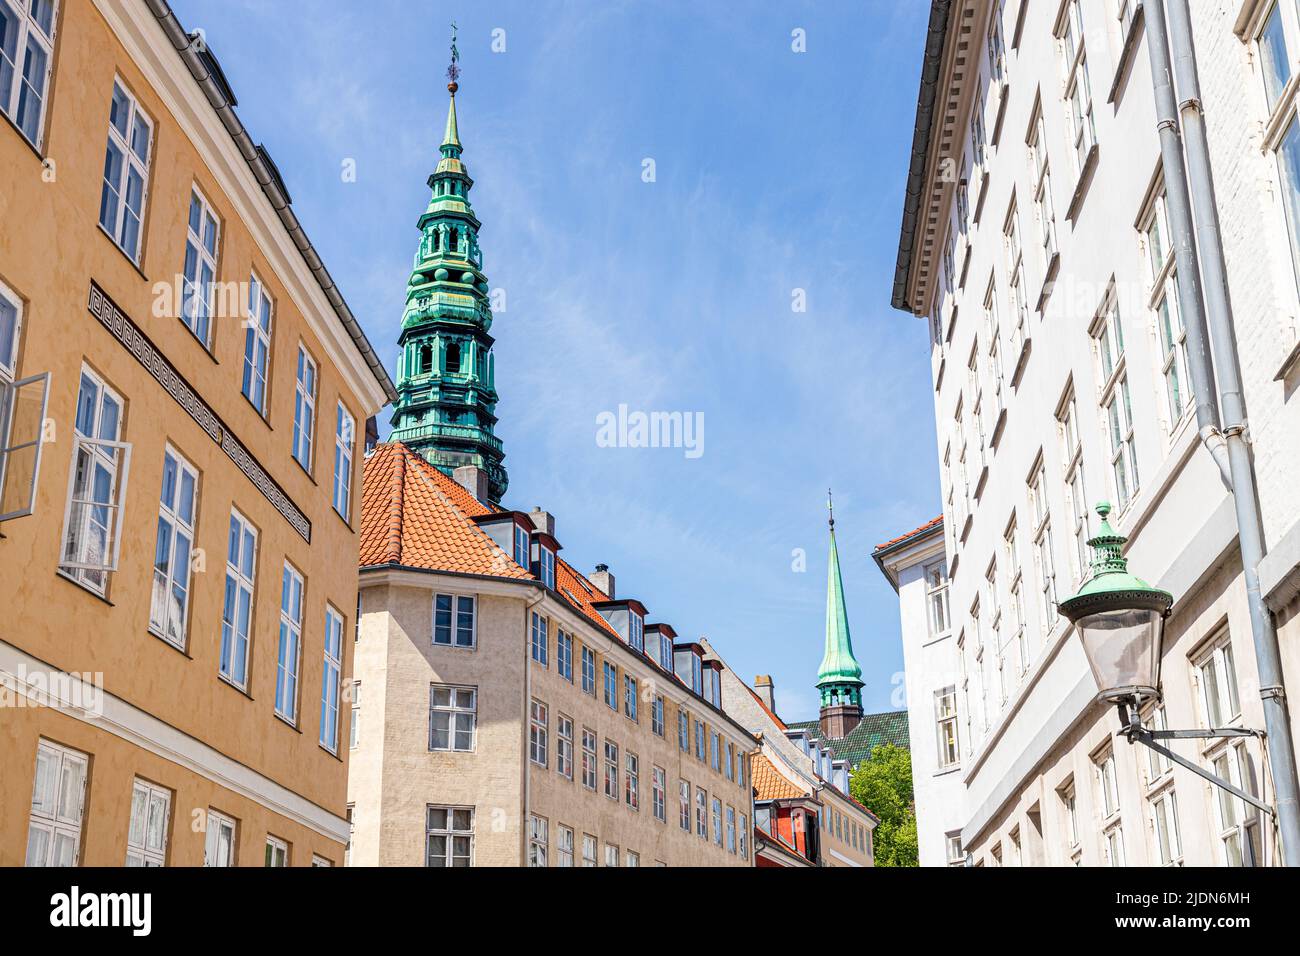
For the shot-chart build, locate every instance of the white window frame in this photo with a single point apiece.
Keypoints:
(946, 722)
(590, 848)
(538, 840)
(564, 746)
(564, 846)
(1241, 834)
(540, 639)
(538, 732)
(169, 622)
(1076, 495)
(1044, 558)
(632, 780)
(304, 407)
(59, 811)
(132, 162)
(277, 852)
(590, 759)
(354, 726)
(259, 323)
(659, 793)
(456, 711)
(200, 258)
(240, 582)
(13, 396)
(451, 831)
(289, 649)
(221, 843)
(331, 684)
(936, 598)
(1077, 89)
(1044, 207)
(344, 439)
(30, 33)
(1216, 678)
(611, 770)
(146, 845)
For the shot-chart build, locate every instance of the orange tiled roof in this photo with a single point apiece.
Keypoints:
(915, 531)
(770, 783)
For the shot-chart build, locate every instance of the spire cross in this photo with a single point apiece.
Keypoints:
(453, 71)
(830, 507)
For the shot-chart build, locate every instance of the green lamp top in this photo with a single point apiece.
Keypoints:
(1111, 585)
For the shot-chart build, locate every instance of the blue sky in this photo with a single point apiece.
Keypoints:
(775, 171)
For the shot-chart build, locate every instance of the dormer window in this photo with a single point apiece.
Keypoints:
(636, 634)
(546, 566)
(697, 673)
(521, 547)
(666, 654)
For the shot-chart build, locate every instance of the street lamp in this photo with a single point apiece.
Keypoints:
(1121, 622)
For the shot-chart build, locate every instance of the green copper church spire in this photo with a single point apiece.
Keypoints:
(446, 372)
(839, 678)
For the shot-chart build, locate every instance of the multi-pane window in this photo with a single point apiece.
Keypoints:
(636, 631)
(1076, 496)
(744, 837)
(629, 696)
(611, 769)
(537, 732)
(715, 742)
(657, 716)
(728, 763)
(684, 805)
(731, 829)
(355, 726)
(170, 600)
(1287, 151)
(449, 836)
(1108, 790)
(659, 793)
(219, 843)
(146, 836)
(202, 238)
(589, 844)
(1016, 608)
(945, 716)
(286, 668)
(588, 671)
(100, 465)
(277, 852)
(588, 758)
(538, 841)
(611, 686)
(717, 821)
(564, 746)
(1117, 405)
(699, 740)
(1016, 286)
(1043, 548)
(237, 612)
(1163, 301)
(26, 56)
(257, 344)
(58, 806)
(1239, 828)
(453, 715)
(1274, 55)
(564, 846)
(1078, 89)
(611, 854)
(997, 52)
(331, 680)
(540, 638)
(1044, 210)
(304, 408)
(936, 597)
(453, 620)
(701, 813)
(1070, 805)
(521, 547)
(344, 428)
(1164, 821)
(632, 781)
(632, 858)
(993, 327)
(564, 654)
(126, 171)
(1217, 676)
(684, 731)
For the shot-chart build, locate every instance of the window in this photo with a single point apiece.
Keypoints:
(521, 547)
(352, 829)
(1217, 675)
(636, 628)
(588, 758)
(320, 861)
(701, 813)
(453, 620)
(1163, 301)
(699, 740)
(657, 716)
(731, 829)
(945, 711)
(715, 744)
(1239, 822)
(1117, 406)
(564, 655)
(126, 171)
(1044, 211)
(1164, 821)
(1043, 547)
(146, 837)
(936, 596)
(996, 46)
(588, 850)
(540, 639)
(629, 697)
(453, 718)
(356, 713)
(331, 680)
(58, 806)
(632, 858)
(449, 836)
(277, 852)
(717, 821)
(1016, 286)
(659, 793)
(304, 408)
(1287, 151)
(611, 769)
(1108, 788)
(537, 730)
(546, 564)
(29, 34)
(1274, 57)
(744, 837)
(1075, 495)
(564, 846)
(169, 605)
(589, 671)
(1071, 805)
(684, 731)
(219, 845)
(632, 782)
(201, 243)
(343, 430)
(257, 344)
(684, 805)
(97, 486)
(286, 670)
(728, 763)
(538, 842)
(564, 746)
(611, 855)
(1078, 88)
(611, 686)
(955, 855)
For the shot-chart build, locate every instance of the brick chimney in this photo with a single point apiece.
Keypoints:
(474, 480)
(603, 579)
(763, 687)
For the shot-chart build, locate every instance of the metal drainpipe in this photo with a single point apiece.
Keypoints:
(1186, 257)
(1250, 533)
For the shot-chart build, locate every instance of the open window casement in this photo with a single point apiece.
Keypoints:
(97, 488)
(22, 417)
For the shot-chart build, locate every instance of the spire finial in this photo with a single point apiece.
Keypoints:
(830, 507)
(453, 71)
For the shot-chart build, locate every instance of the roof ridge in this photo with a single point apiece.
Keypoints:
(396, 508)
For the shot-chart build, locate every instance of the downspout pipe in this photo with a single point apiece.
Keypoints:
(1250, 526)
(1186, 256)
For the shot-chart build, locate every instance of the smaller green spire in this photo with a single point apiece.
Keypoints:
(840, 677)
(451, 137)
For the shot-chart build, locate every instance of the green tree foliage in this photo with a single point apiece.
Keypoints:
(883, 784)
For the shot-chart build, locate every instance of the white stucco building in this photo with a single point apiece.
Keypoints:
(1036, 243)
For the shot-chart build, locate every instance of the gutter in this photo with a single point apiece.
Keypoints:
(268, 178)
(935, 43)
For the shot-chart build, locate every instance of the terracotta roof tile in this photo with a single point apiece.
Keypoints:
(915, 531)
(770, 783)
